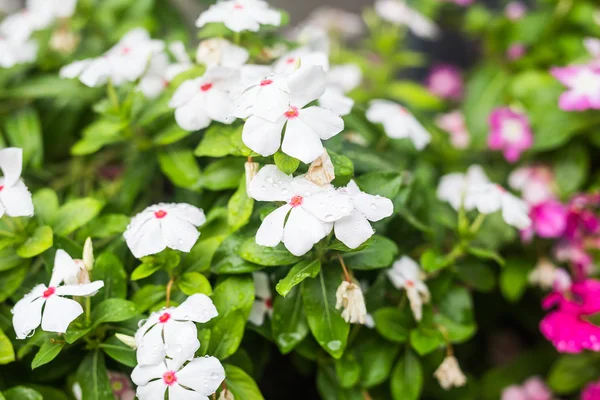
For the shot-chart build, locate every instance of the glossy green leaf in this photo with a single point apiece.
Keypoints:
(74, 214)
(48, 352)
(93, 377)
(288, 324)
(194, 282)
(40, 241)
(7, 352)
(298, 273)
(113, 310)
(267, 256)
(287, 164)
(406, 382)
(241, 385)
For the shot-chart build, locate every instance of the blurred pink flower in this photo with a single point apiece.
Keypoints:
(583, 82)
(445, 81)
(549, 219)
(515, 10)
(591, 391)
(121, 386)
(516, 51)
(533, 388)
(535, 182)
(454, 123)
(574, 253)
(510, 132)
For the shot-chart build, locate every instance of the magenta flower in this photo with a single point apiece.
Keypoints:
(515, 10)
(566, 327)
(445, 81)
(516, 51)
(533, 388)
(573, 252)
(510, 132)
(591, 391)
(536, 183)
(583, 82)
(454, 123)
(549, 219)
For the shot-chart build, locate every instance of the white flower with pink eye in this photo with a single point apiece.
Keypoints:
(406, 274)
(171, 332)
(15, 199)
(398, 123)
(307, 215)
(200, 101)
(263, 303)
(454, 123)
(161, 70)
(488, 198)
(510, 132)
(453, 187)
(58, 312)
(536, 183)
(355, 229)
(240, 15)
(304, 127)
(20, 25)
(341, 79)
(14, 52)
(290, 62)
(163, 225)
(583, 83)
(399, 13)
(221, 52)
(195, 380)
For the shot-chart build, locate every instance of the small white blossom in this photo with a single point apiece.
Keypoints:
(488, 198)
(399, 13)
(263, 303)
(171, 331)
(221, 52)
(15, 199)
(398, 123)
(164, 225)
(161, 71)
(195, 380)
(336, 21)
(321, 171)
(340, 80)
(14, 52)
(58, 312)
(305, 219)
(449, 374)
(240, 15)
(406, 274)
(453, 187)
(311, 37)
(290, 62)
(349, 296)
(354, 229)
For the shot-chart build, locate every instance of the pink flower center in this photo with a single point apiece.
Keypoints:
(126, 50)
(238, 6)
(164, 318)
(206, 87)
(290, 60)
(501, 189)
(403, 110)
(49, 292)
(410, 283)
(296, 201)
(160, 214)
(1, 187)
(269, 303)
(170, 378)
(266, 82)
(292, 112)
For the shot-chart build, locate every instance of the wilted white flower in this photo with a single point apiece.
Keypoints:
(406, 274)
(305, 219)
(263, 303)
(490, 197)
(453, 187)
(543, 274)
(399, 13)
(58, 312)
(449, 374)
(240, 15)
(321, 171)
(398, 123)
(164, 225)
(15, 199)
(221, 52)
(171, 331)
(349, 296)
(197, 379)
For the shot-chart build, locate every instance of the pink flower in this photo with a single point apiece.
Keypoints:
(536, 183)
(566, 327)
(515, 10)
(533, 388)
(510, 131)
(454, 123)
(445, 81)
(516, 51)
(591, 391)
(549, 219)
(573, 252)
(121, 386)
(583, 82)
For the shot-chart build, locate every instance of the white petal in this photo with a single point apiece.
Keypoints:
(301, 142)
(204, 375)
(141, 375)
(152, 86)
(152, 391)
(353, 230)
(419, 135)
(322, 121)
(185, 93)
(375, 208)
(486, 198)
(270, 233)
(178, 234)
(268, 102)
(59, 313)
(262, 286)
(346, 77)
(186, 212)
(381, 110)
(11, 164)
(263, 136)
(452, 189)
(219, 106)
(515, 212)
(17, 200)
(150, 348)
(302, 230)
(258, 312)
(334, 100)
(192, 116)
(181, 339)
(328, 206)
(27, 313)
(416, 303)
(96, 72)
(87, 289)
(179, 393)
(270, 184)
(64, 269)
(74, 69)
(148, 239)
(306, 84)
(197, 307)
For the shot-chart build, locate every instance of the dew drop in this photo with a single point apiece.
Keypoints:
(269, 180)
(334, 345)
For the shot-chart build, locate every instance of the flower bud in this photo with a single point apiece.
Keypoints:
(449, 374)
(350, 297)
(226, 395)
(251, 171)
(321, 171)
(64, 41)
(126, 339)
(88, 254)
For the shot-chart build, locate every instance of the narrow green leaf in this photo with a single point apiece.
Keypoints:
(407, 378)
(288, 325)
(40, 241)
(48, 352)
(93, 377)
(74, 214)
(239, 207)
(298, 273)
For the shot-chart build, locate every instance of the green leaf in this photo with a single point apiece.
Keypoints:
(75, 214)
(22, 393)
(425, 340)
(386, 184)
(457, 333)
(406, 382)
(23, 130)
(326, 324)
(393, 324)
(343, 168)
(113, 310)
(287, 164)
(571, 168)
(298, 273)
(48, 352)
(201, 255)
(485, 254)
(93, 378)
(45, 203)
(180, 167)
(11, 280)
(75, 333)
(36, 244)
(222, 174)
(513, 278)
(477, 275)
(99, 134)
(194, 282)
(267, 256)
(572, 371)
(226, 259)
(241, 385)
(144, 270)
(107, 225)
(457, 304)
(9, 258)
(226, 335)
(148, 296)
(108, 268)
(380, 253)
(239, 207)
(413, 95)
(234, 293)
(432, 261)
(222, 140)
(347, 370)
(7, 352)
(376, 358)
(119, 352)
(170, 135)
(288, 324)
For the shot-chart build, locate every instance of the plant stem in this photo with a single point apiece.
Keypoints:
(88, 310)
(169, 286)
(477, 224)
(347, 275)
(112, 95)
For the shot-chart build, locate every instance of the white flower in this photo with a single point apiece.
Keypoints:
(336, 21)
(125, 62)
(196, 380)
(199, 101)
(311, 37)
(340, 80)
(262, 93)
(14, 52)
(354, 229)
(164, 225)
(321, 171)
(74, 272)
(490, 197)
(161, 71)
(398, 123)
(310, 210)
(453, 187)
(171, 331)
(20, 25)
(15, 199)
(543, 274)
(399, 13)
(263, 303)
(241, 15)
(221, 52)
(406, 274)
(57, 9)
(290, 62)
(349, 297)
(304, 127)
(59, 312)
(449, 374)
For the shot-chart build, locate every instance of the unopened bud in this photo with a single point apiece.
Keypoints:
(226, 395)
(350, 297)
(449, 374)
(88, 254)
(321, 171)
(126, 339)
(251, 171)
